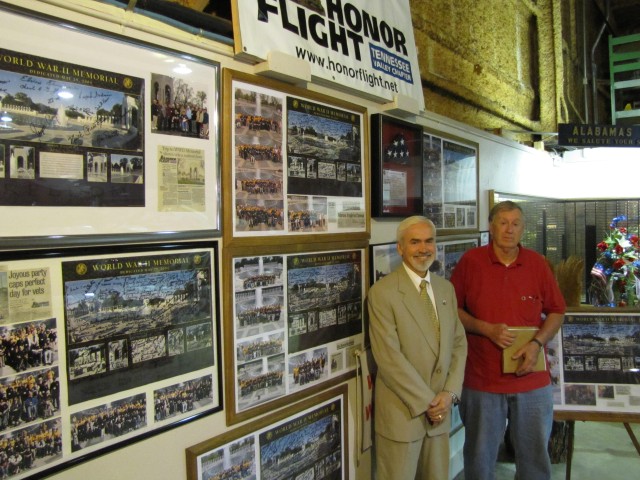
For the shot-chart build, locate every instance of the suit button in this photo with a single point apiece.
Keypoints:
(438, 370)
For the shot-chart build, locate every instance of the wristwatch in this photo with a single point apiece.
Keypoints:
(454, 398)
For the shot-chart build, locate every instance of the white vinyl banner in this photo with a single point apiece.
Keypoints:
(367, 45)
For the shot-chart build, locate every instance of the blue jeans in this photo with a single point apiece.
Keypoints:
(485, 415)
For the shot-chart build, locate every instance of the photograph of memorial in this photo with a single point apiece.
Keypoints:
(324, 150)
(62, 124)
(143, 304)
(599, 362)
(309, 446)
(305, 440)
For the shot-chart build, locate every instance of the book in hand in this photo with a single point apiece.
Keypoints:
(523, 336)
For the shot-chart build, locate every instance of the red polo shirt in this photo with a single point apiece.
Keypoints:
(521, 294)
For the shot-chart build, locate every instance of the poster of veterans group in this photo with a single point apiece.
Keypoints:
(298, 165)
(98, 348)
(595, 363)
(297, 322)
(121, 143)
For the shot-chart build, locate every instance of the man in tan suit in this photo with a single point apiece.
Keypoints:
(420, 360)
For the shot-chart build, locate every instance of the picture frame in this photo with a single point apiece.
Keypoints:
(295, 160)
(450, 182)
(448, 253)
(107, 332)
(293, 324)
(397, 167)
(594, 364)
(84, 162)
(321, 422)
(385, 258)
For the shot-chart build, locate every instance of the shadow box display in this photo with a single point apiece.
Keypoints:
(293, 324)
(100, 347)
(385, 257)
(308, 439)
(450, 182)
(396, 159)
(96, 148)
(595, 363)
(294, 161)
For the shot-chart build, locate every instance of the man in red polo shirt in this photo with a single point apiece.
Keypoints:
(498, 286)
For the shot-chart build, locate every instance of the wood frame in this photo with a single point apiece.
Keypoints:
(258, 278)
(288, 182)
(396, 159)
(96, 165)
(136, 359)
(599, 378)
(271, 428)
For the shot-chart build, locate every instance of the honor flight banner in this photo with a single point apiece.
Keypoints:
(363, 45)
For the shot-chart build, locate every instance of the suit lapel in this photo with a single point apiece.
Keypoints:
(416, 308)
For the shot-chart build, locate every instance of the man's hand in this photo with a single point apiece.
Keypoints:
(529, 355)
(439, 407)
(499, 334)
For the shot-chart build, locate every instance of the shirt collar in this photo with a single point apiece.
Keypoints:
(415, 278)
(494, 259)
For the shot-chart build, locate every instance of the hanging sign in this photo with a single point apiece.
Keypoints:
(582, 135)
(361, 44)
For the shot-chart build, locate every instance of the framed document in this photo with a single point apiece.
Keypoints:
(119, 147)
(111, 346)
(396, 159)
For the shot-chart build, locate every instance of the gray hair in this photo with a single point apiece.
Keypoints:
(410, 222)
(505, 206)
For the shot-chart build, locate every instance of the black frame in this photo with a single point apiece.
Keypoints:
(401, 142)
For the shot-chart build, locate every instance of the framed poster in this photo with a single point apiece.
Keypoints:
(305, 440)
(396, 159)
(595, 363)
(97, 148)
(109, 346)
(293, 325)
(294, 161)
(450, 182)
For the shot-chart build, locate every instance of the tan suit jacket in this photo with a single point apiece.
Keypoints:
(411, 369)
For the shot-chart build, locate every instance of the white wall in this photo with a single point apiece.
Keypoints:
(504, 166)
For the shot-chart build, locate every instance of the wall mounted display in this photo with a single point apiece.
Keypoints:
(450, 182)
(124, 143)
(396, 159)
(595, 363)
(294, 161)
(305, 440)
(108, 347)
(385, 257)
(293, 325)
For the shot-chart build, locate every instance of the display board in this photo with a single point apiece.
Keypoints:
(100, 347)
(116, 144)
(295, 164)
(293, 324)
(595, 365)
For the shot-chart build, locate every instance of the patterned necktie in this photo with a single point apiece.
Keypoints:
(431, 311)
